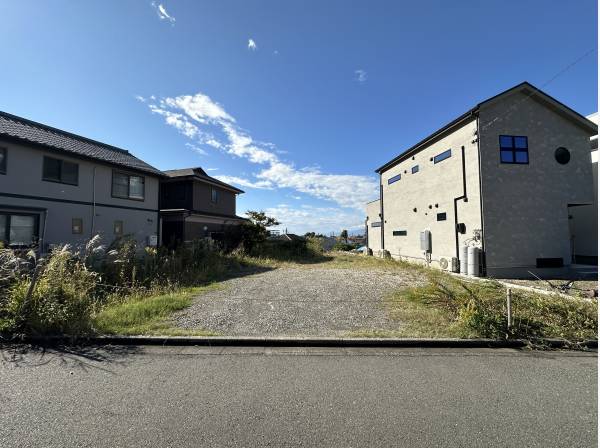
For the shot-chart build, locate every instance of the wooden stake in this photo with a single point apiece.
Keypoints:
(508, 308)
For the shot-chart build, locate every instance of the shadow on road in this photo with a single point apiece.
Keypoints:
(74, 357)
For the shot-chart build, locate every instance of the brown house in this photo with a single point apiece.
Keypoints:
(194, 205)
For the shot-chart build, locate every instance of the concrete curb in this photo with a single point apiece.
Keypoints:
(301, 342)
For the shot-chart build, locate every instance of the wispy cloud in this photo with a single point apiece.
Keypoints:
(316, 219)
(162, 13)
(252, 45)
(360, 75)
(206, 122)
(261, 184)
(196, 149)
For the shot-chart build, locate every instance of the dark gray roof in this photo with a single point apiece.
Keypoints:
(199, 174)
(25, 130)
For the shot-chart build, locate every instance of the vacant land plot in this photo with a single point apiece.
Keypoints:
(341, 295)
(312, 300)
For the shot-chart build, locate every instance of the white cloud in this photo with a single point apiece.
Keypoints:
(211, 169)
(233, 180)
(162, 13)
(197, 149)
(252, 45)
(140, 98)
(360, 75)
(200, 118)
(316, 219)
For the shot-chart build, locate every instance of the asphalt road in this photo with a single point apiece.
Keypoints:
(202, 397)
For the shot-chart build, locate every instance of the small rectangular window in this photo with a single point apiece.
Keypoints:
(376, 224)
(214, 195)
(399, 233)
(414, 169)
(514, 149)
(128, 186)
(442, 156)
(77, 226)
(118, 228)
(393, 179)
(58, 170)
(441, 216)
(2, 160)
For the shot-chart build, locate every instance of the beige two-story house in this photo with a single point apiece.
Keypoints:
(57, 187)
(503, 178)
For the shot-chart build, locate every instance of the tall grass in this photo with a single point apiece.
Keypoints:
(75, 290)
(62, 292)
(478, 309)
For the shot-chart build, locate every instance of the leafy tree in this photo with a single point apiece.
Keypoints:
(344, 236)
(255, 231)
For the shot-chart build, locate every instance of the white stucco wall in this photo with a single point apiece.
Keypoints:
(431, 191)
(374, 233)
(584, 219)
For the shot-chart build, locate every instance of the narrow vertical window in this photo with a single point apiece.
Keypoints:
(214, 195)
(2, 160)
(77, 226)
(118, 228)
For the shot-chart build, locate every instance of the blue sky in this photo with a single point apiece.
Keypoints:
(295, 102)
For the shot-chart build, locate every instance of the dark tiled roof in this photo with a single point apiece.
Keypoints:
(30, 131)
(200, 174)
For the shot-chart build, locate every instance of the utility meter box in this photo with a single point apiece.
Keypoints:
(426, 241)
(152, 240)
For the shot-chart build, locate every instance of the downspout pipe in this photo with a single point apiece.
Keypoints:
(463, 197)
(381, 213)
(93, 223)
(483, 258)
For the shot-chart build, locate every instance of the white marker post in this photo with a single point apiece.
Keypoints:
(508, 308)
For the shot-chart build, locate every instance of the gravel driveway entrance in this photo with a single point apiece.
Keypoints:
(312, 301)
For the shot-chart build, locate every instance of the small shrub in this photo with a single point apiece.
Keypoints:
(340, 245)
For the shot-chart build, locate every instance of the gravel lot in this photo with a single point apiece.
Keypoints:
(307, 301)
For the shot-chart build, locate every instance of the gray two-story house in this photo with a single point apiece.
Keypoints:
(57, 187)
(194, 205)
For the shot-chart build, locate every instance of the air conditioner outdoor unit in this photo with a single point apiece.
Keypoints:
(449, 264)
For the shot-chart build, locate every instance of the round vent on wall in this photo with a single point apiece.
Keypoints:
(562, 155)
(443, 263)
